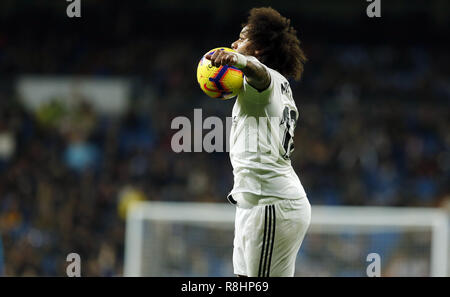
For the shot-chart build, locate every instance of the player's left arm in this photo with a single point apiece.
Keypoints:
(256, 74)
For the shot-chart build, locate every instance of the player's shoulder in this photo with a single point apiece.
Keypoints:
(274, 74)
(278, 86)
(279, 80)
(281, 86)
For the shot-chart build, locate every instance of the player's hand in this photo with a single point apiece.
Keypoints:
(219, 58)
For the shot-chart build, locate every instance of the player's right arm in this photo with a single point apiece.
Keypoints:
(256, 74)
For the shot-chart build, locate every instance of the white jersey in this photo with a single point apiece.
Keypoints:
(261, 140)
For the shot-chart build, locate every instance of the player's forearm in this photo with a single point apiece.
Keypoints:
(256, 75)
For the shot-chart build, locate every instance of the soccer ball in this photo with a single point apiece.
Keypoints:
(222, 82)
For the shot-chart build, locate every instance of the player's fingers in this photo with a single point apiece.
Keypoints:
(224, 59)
(233, 60)
(227, 60)
(214, 59)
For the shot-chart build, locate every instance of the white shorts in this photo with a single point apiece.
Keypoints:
(268, 234)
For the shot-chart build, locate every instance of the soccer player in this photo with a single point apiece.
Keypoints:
(273, 212)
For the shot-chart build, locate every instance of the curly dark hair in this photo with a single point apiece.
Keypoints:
(273, 35)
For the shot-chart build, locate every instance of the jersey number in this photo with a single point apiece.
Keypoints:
(288, 123)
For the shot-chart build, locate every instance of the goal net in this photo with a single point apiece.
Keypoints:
(196, 239)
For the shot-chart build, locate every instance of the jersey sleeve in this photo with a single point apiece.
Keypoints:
(250, 94)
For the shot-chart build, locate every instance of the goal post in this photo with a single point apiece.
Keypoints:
(196, 239)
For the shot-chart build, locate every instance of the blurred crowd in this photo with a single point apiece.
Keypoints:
(375, 124)
(373, 130)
